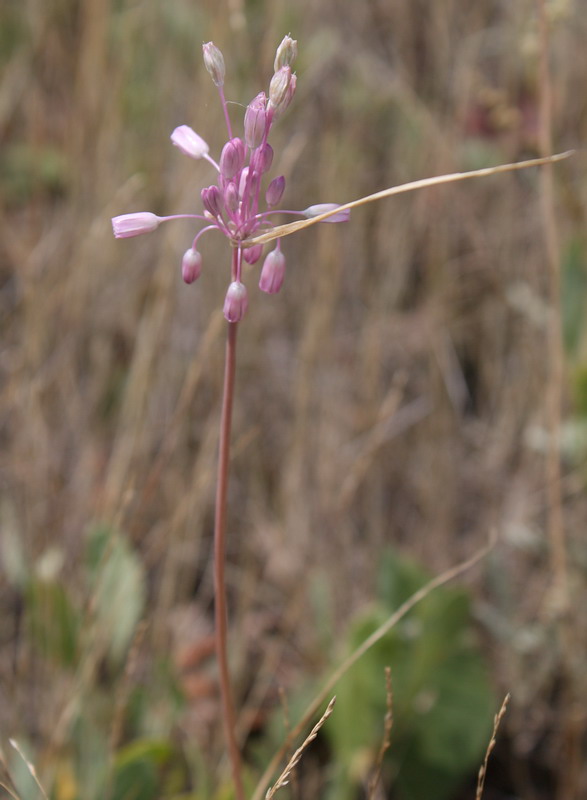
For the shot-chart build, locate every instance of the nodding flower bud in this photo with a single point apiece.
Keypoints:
(191, 265)
(232, 158)
(189, 142)
(212, 200)
(262, 158)
(272, 272)
(127, 225)
(231, 197)
(214, 63)
(286, 53)
(236, 302)
(322, 208)
(275, 191)
(255, 121)
(252, 254)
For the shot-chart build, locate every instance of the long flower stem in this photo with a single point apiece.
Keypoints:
(219, 553)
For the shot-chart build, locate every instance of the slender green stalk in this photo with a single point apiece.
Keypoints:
(228, 713)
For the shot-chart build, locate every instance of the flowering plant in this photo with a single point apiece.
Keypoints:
(231, 205)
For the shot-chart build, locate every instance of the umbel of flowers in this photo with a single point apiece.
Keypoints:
(233, 204)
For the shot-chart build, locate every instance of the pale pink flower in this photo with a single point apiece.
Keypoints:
(127, 225)
(322, 208)
(232, 203)
(236, 302)
(273, 272)
(188, 141)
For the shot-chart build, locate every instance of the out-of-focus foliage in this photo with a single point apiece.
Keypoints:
(442, 699)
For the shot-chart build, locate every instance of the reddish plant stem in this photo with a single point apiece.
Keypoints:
(228, 712)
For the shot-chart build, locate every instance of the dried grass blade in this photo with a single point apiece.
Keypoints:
(483, 769)
(295, 759)
(292, 227)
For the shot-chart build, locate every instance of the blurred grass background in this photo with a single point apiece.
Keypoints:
(393, 395)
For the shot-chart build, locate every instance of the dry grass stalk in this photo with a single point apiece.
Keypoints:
(492, 742)
(424, 183)
(386, 742)
(287, 725)
(283, 779)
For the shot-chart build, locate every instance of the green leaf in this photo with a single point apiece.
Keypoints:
(442, 699)
(574, 293)
(53, 622)
(119, 587)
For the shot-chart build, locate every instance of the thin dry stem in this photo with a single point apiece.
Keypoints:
(287, 725)
(10, 792)
(398, 615)
(492, 742)
(283, 779)
(439, 180)
(386, 742)
(554, 386)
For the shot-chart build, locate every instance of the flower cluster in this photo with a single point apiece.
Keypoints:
(232, 204)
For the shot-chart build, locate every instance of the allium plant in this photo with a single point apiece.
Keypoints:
(233, 206)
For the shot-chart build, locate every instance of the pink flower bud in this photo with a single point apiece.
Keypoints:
(275, 191)
(212, 200)
(191, 265)
(243, 181)
(231, 197)
(232, 158)
(322, 208)
(282, 99)
(128, 225)
(286, 53)
(273, 272)
(279, 86)
(236, 302)
(252, 254)
(262, 158)
(254, 182)
(214, 63)
(291, 90)
(189, 142)
(255, 121)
